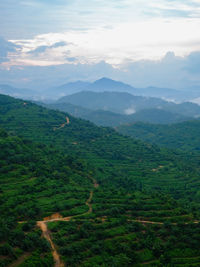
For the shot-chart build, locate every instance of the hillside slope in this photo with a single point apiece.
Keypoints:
(123, 160)
(99, 198)
(82, 220)
(125, 103)
(111, 119)
(184, 136)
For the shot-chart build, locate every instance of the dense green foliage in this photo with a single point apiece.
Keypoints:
(184, 136)
(35, 181)
(49, 161)
(122, 242)
(111, 119)
(117, 160)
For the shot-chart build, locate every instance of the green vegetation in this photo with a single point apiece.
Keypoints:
(119, 241)
(111, 119)
(183, 136)
(121, 102)
(49, 164)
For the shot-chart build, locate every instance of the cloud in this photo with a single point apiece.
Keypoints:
(129, 111)
(6, 48)
(62, 15)
(169, 72)
(132, 38)
(43, 48)
(125, 42)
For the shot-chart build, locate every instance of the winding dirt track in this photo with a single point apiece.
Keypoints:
(57, 217)
(62, 125)
(46, 233)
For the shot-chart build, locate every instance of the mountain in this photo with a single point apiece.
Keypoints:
(108, 118)
(118, 102)
(168, 94)
(65, 89)
(157, 116)
(98, 197)
(109, 85)
(125, 103)
(17, 92)
(101, 146)
(184, 135)
(101, 85)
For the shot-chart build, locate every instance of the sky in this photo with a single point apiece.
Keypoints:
(139, 41)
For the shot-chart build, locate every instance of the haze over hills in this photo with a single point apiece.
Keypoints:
(132, 108)
(112, 119)
(17, 92)
(125, 103)
(109, 85)
(101, 85)
(107, 97)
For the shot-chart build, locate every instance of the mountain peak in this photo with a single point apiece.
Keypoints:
(105, 80)
(108, 84)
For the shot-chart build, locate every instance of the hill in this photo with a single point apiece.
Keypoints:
(125, 103)
(184, 136)
(42, 186)
(17, 92)
(109, 85)
(97, 196)
(112, 119)
(103, 147)
(35, 182)
(101, 85)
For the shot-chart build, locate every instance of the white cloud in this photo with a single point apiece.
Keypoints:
(149, 39)
(129, 111)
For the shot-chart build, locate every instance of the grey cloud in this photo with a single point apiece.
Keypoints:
(71, 59)
(170, 72)
(192, 63)
(43, 48)
(58, 44)
(5, 48)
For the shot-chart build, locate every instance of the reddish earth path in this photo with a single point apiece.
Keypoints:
(62, 125)
(43, 226)
(57, 217)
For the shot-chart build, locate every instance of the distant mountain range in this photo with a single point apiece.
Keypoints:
(115, 108)
(125, 103)
(108, 118)
(109, 85)
(17, 92)
(111, 103)
(101, 85)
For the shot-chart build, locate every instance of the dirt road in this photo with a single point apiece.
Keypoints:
(63, 124)
(57, 217)
(43, 226)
